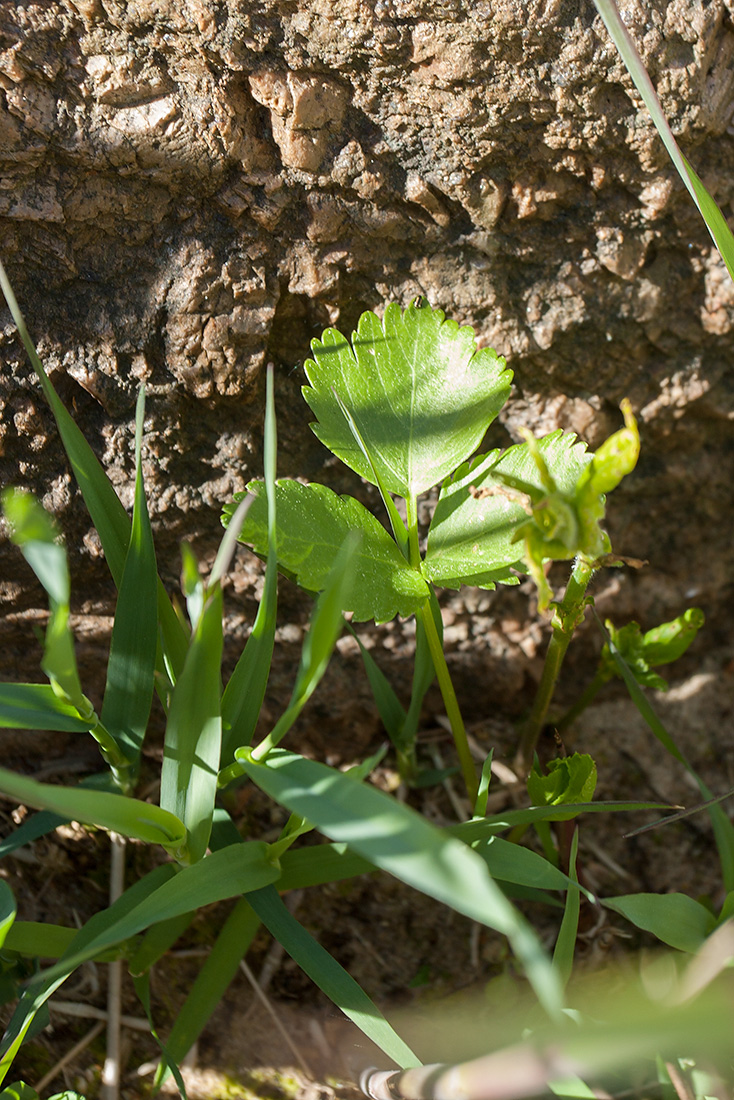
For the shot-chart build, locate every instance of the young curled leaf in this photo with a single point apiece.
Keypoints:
(659, 646)
(570, 779)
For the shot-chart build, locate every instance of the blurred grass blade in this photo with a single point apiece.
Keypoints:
(107, 513)
(712, 216)
(194, 731)
(245, 690)
(328, 975)
(38, 707)
(327, 622)
(7, 910)
(131, 667)
(218, 970)
(396, 839)
(721, 824)
(128, 816)
(566, 942)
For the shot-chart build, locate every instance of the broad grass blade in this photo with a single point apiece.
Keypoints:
(675, 919)
(131, 667)
(396, 839)
(710, 212)
(38, 707)
(245, 691)
(328, 975)
(39, 939)
(566, 943)
(128, 816)
(219, 968)
(194, 732)
(321, 863)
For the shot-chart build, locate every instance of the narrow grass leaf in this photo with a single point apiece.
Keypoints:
(477, 828)
(396, 839)
(38, 707)
(312, 524)
(420, 393)
(391, 711)
(329, 976)
(243, 696)
(107, 513)
(131, 666)
(193, 737)
(675, 919)
(7, 910)
(159, 939)
(159, 896)
(327, 622)
(142, 988)
(41, 987)
(712, 216)
(566, 942)
(128, 816)
(217, 972)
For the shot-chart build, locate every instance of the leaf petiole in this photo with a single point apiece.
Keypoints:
(451, 703)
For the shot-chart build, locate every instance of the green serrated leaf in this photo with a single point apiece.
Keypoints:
(422, 396)
(570, 779)
(312, 524)
(472, 538)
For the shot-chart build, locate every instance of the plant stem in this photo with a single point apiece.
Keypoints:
(451, 703)
(565, 619)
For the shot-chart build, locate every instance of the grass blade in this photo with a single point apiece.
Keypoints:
(107, 513)
(131, 667)
(710, 212)
(566, 943)
(327, 622)
(328, 975)
(38, 707)
(7, 910)
(245, 690)
(161, 895)
(219, 969)
(396, 839)
(194, 732)
(128, 816)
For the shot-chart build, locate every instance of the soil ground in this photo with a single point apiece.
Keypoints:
(423, 964)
